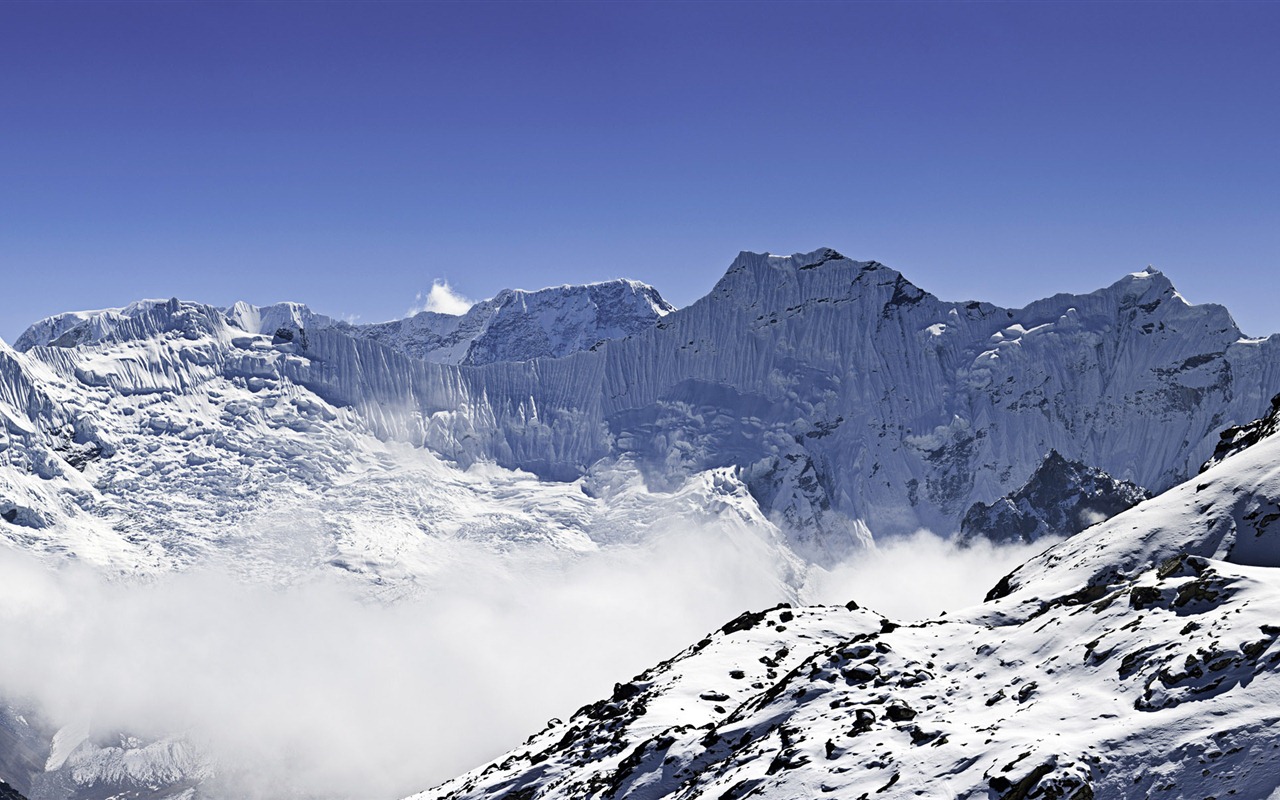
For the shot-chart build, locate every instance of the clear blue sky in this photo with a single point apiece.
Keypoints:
(346, 155)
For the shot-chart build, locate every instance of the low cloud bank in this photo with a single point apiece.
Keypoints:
(919, 576)
(316, 691)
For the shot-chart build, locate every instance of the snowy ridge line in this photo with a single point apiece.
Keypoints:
(515, 325)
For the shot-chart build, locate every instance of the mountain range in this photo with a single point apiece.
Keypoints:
(844, 400)
(811, 403)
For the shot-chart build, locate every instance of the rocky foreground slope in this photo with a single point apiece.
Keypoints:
(1136, 659)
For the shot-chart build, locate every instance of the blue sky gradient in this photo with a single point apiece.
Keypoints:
(346, 155)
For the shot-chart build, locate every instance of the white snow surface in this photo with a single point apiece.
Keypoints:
(1136, 659)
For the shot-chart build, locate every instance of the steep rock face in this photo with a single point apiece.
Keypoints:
(519, 325)
(1135, 659)
(1061, 498)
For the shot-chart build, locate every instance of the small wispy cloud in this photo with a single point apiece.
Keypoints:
(442, 299)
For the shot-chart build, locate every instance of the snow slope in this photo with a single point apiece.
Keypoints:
(1136, 659)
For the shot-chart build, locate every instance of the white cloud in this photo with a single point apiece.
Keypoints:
(442, 299)
(316, 691)
(920, 576)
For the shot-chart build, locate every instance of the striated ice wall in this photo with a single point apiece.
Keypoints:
(843, 395)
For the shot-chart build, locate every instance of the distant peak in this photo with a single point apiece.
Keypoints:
(817, 258)
(1150, 282)
(748, 259)
(616, 293)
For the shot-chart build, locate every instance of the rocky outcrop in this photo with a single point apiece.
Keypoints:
(1241, 437)
(1060, 499)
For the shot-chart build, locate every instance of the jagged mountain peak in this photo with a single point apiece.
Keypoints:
(1062, 497)
(270, 318)
(780, 282)
(612, 296)
(763, 264)
(520, 324)
(1149, 284)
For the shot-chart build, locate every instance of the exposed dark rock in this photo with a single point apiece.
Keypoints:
(1061, 498)
(1241, 437)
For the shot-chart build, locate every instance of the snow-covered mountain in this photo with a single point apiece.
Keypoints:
(844, 399)
(837, 386)
(173, 434)
(1136, 659)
